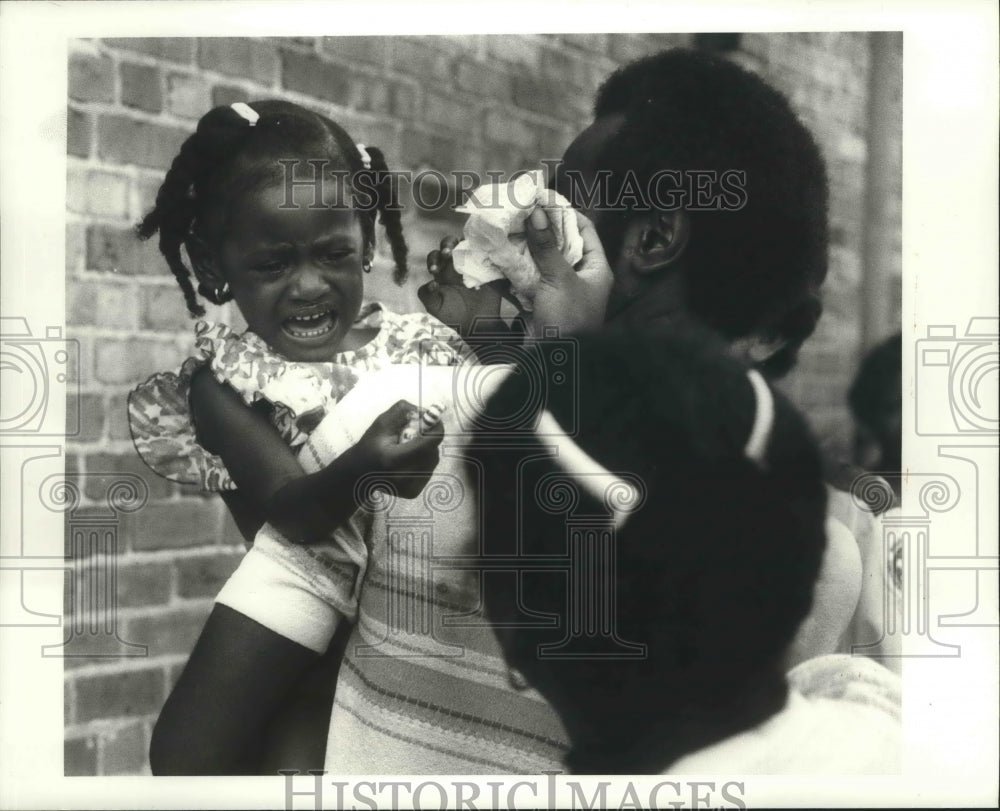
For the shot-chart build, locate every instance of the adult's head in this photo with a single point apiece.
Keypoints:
(713, 573)
(710, 198)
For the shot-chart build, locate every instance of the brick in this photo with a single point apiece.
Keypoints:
(106, 464)
(537, 96)
(141, 87)
(78, 133)
(625, 48)
(117, 418)
(144, 583)
(592, 43)
(80, 757)
(253, 59)
(91, 410)
(187, 96)
(76, 249)
(370, 95)
(223, 94)
(91, 78)
(446, 112)
(403, 100)
(98, 193)
(454, 43)
(123, 750)
(204, 576)
(127, 141)
(561, 68)
(371, 50)
(144, 192)
(420, 149)
(131, 361)
(119, 695)
(174, 49)
(111, 249)
(174, 525)
(415, 58)
(514, 49)
(81, 304)
(163, 308)
(483, 81)
(505, 128)
(76, 189)
(308, 74)
(168, 632)
(302, 43)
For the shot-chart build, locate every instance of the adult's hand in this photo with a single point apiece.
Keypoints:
(571, 300)
(448, 299)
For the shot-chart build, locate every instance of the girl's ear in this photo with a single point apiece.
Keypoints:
(656, 241)
(204, 263)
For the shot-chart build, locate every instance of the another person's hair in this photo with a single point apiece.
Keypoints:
(875, 399)
(756, 269)
(226, 157)
(713, 573)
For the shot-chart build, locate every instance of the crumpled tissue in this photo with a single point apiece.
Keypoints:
(495, 245)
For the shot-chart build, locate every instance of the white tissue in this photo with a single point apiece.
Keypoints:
(495, 245)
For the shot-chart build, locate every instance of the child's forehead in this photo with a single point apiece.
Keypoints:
(297, 186)
(277, 208)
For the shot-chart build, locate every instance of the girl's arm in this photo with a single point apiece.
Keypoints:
(214, 721)
(304, 507)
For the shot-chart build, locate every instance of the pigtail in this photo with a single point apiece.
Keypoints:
(177, 203)
(172, 215)
(390, 213)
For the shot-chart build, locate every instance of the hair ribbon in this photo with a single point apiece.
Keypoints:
(244, 110)
(763, 421)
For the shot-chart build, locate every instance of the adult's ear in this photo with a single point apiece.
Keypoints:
(656, 241)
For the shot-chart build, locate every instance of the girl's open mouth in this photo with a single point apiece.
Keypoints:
(314, 325)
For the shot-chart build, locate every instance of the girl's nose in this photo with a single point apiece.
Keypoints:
(309, 282)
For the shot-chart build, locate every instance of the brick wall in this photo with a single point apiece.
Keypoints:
(462, 102)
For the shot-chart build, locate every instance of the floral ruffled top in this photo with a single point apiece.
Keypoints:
(300, 393)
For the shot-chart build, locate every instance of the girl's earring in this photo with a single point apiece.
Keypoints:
(223, 291)
(366, 266)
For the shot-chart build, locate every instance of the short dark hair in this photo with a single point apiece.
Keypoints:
(758, 269)
(226, 156)
(714, 573)
(875, 396)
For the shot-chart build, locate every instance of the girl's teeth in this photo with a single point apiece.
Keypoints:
(305, 319)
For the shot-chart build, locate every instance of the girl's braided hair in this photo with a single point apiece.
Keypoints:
(227, 156)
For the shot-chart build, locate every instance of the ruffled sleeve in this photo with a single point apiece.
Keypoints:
(164, 434)
(160, 418)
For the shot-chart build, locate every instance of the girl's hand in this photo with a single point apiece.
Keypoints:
(448, 299)
(572, 300)
(406, 465)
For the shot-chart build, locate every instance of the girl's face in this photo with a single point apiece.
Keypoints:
(294, 271)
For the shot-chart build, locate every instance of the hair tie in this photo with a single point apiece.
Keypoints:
(590, 474)
(366, 159)
(763, 421)
(244, 110)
